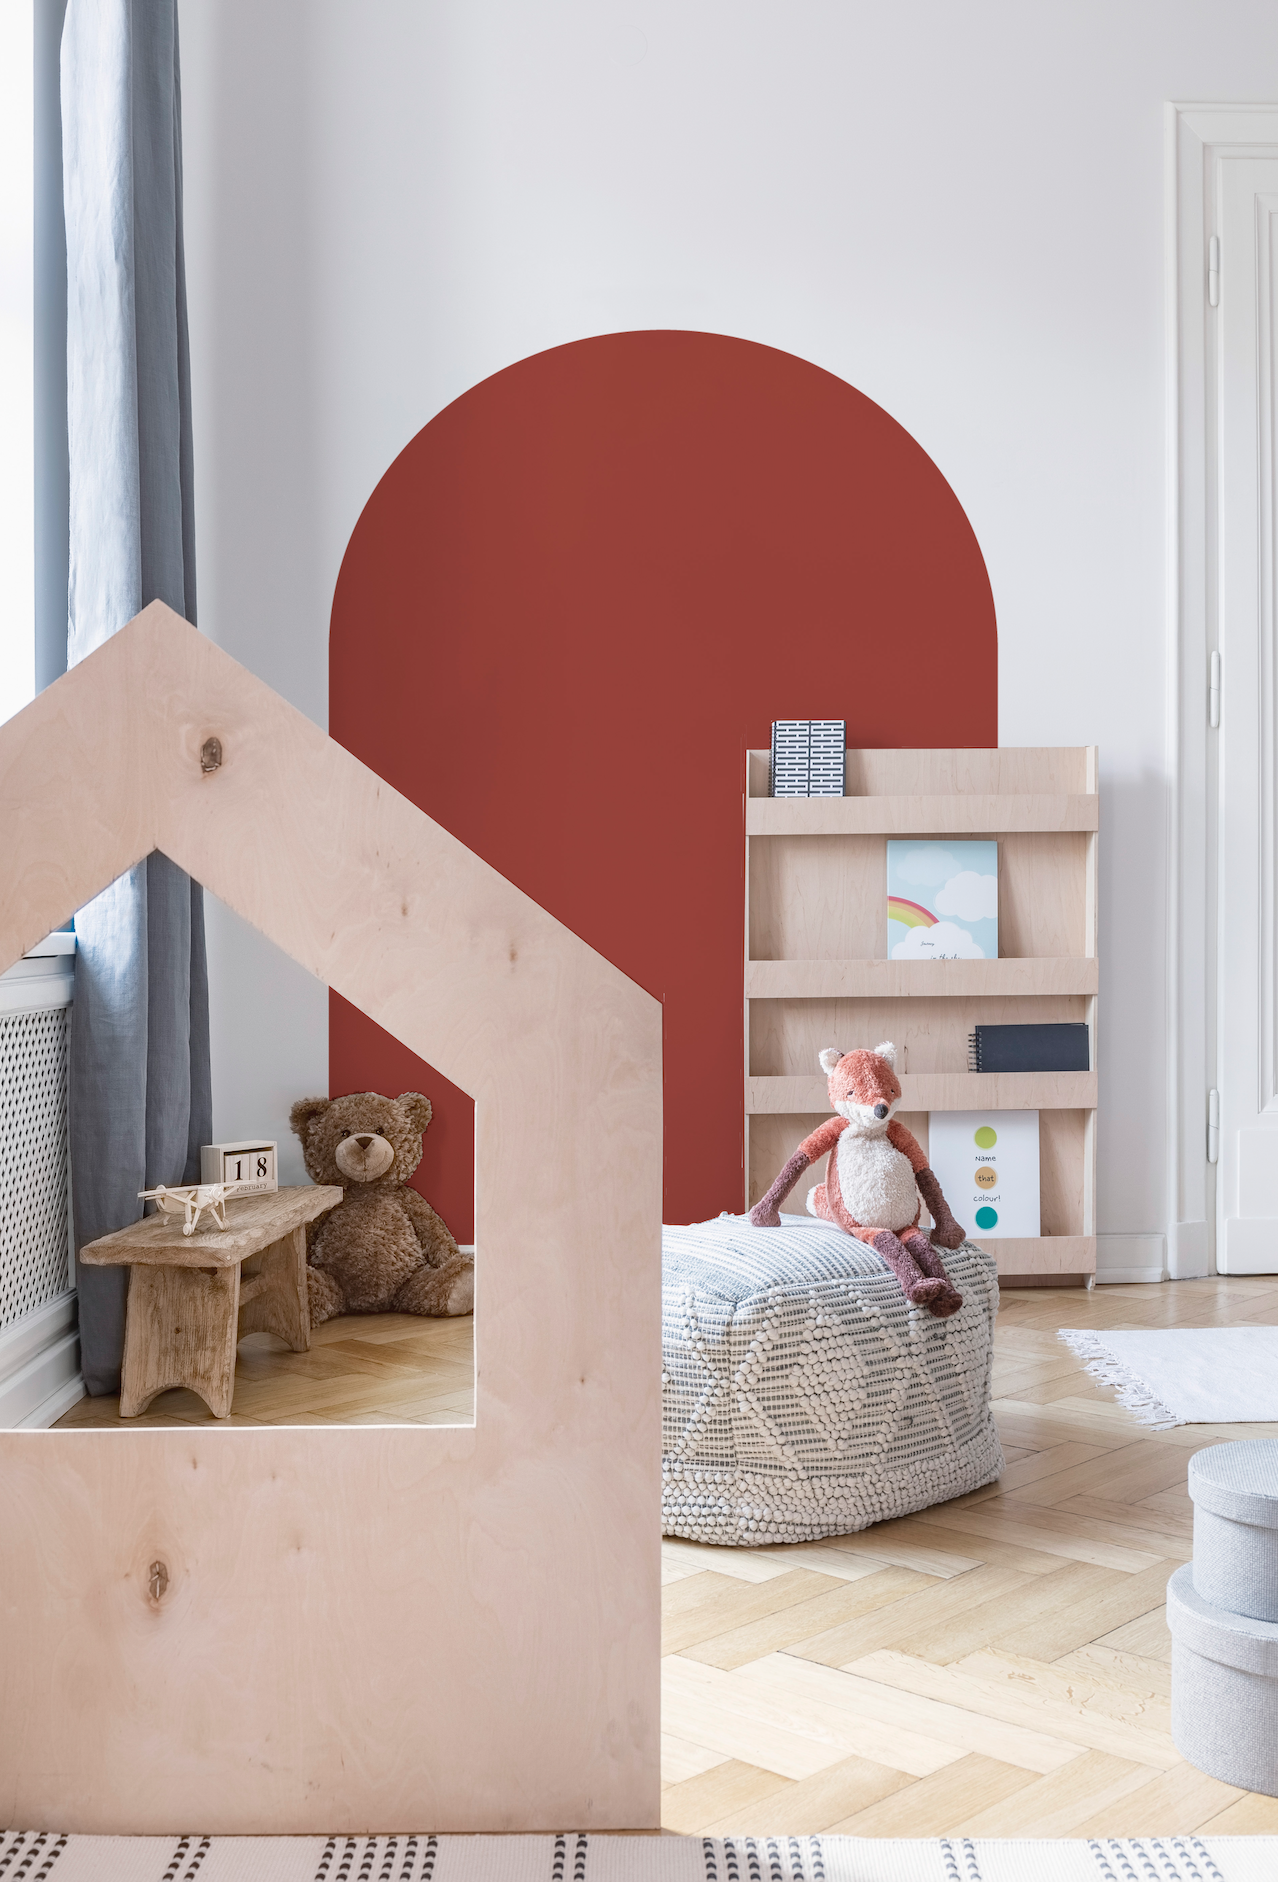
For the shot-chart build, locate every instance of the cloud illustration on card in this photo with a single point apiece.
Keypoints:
(968, 897)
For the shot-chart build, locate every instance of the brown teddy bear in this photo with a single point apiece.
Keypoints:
(382, 1249)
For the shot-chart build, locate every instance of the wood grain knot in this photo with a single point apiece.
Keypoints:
(158, 1580)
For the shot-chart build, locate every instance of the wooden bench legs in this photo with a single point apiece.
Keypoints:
(273, 1296)
(183, 1324)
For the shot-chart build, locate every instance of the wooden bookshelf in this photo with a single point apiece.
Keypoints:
(817, 972)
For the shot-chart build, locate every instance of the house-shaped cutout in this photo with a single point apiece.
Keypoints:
(386, 1628)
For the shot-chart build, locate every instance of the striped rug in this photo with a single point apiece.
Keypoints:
(44, 1857)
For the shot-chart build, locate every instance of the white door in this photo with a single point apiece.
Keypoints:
(1247, 629)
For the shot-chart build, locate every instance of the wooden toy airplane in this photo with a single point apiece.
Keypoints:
(191, 1199)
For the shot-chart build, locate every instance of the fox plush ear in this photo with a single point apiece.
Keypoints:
(830, 1058)
(886, 1051)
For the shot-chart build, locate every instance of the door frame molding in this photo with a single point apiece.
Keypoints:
(1196, 137)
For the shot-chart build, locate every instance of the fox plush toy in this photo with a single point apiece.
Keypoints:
(874, 1179)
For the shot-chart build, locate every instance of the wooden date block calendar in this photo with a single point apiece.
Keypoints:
(247, 1169)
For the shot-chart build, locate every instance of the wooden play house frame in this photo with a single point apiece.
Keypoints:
(383, 1628)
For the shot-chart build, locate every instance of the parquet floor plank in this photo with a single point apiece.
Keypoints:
(1054, 1805)
(809, 1703)
(906, 1547)
(845, 1566)
(1174, 1803)
(944, 1721)
(931, 1533)
(706, 1606)
(1086, 1683)
(1078, 1538)
(935, 1804)
(800, 1620)
(934, 1607)
(1147, 1635)
(730, 1787)
(680, 1760)
(1251, 1815)
(814, 1803)
(739, 1564)
(942, 1638)
(1034, 1704)
(1133, 1672)
(1138, 1470)
(1083, 1621)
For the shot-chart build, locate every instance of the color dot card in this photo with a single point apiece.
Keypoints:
(987, 1165)
(942, 901)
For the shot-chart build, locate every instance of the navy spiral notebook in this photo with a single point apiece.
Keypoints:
(1063, 1047)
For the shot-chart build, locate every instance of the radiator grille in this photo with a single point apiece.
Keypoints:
(33, 1161)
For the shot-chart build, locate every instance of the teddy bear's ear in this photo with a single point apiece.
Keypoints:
(304, 1112)
(830, 1058)
(886, 1051)
(418, 1108)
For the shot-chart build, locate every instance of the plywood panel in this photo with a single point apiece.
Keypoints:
(818, 897)
(1043, 896)
(1062, 1137)
(453, 1629)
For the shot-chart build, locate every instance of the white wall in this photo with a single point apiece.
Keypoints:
(959, 209)
(17, 302)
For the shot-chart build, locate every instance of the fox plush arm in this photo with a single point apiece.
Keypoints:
(946, 1232)
(766, 1213)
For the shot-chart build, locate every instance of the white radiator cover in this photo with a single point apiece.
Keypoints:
(39, 1347)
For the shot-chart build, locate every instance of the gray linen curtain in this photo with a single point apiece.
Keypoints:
(140, 1092)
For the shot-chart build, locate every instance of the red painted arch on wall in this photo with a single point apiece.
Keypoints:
(570, 606)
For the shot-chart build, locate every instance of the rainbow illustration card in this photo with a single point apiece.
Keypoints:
(942, 901)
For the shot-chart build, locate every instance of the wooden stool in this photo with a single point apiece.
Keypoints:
(192, 1298)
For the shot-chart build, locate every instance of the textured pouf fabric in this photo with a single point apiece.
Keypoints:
(1224, 1688)
(803, 1396)
(1235, 1492)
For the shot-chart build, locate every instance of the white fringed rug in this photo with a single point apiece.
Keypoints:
(1187, 1375)
(49, 1858)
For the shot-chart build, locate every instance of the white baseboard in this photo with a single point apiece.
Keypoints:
(1187, 1258)
(50, 1409)
(40, 1363)
(1124, 1260)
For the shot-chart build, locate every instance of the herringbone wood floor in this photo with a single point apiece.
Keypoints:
(995, 1666)
(364, 1369)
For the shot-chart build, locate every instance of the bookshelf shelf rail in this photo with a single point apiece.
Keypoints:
(903, 980)
(950, 815)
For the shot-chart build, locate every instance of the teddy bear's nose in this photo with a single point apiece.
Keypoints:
(880, 1110)
(363, 1142)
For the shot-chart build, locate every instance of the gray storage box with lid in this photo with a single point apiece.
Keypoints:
(1235, 1492)
(1224, 1688)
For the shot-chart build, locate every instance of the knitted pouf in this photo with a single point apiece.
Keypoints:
(1235, 1492)
(803, 1396)
(1224, 1688)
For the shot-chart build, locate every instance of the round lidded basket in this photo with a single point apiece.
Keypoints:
(1224, 1688)
(1235, 1492)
